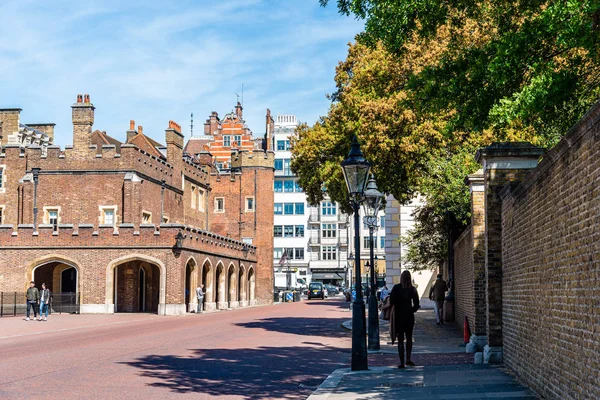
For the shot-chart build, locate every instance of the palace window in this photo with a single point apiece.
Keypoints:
(108, 215)
(249, 204)
(194, 199)
(219, 204)
(238, 139)
(201, 199)
(146, 217)
(226, 141)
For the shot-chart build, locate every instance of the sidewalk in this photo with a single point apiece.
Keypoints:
(443, 370)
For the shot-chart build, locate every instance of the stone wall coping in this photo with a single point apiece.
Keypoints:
(147, 226)
(6, 226)
(45, 226)
(85, 226)
(126, 226)
(509, 149)
(25, 226)
(65, 226)
(573, 136)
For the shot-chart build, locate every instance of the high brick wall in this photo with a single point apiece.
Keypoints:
(464, 302)
(551, 269)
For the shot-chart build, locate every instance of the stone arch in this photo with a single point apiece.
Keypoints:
(242, 294)
(207, 279)
(251, 286)
(52, 275)
(232, 286)
(190, 284)
(110, 282)
(221, 286)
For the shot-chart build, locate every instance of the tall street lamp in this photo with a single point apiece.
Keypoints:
(356, 171)
(371, 207)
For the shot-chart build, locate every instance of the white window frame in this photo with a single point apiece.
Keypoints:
(253, 204)
(47, 210)
(3, 181)
(216, 202)
(228, 140)
(102, 216)
(149, 219)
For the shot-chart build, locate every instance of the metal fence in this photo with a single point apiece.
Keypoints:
(13, 304)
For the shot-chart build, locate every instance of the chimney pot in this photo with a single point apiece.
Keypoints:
(140, 129)
(86, 98)
(79, 98)
(131, 125)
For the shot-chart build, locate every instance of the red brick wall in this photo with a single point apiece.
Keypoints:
(551, 269)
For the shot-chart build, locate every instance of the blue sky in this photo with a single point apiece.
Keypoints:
(155, 61)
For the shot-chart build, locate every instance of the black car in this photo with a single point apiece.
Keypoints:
(316, 291)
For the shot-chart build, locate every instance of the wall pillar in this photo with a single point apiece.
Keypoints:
(479, 326)
(503, 163)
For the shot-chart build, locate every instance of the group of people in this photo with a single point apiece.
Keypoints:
(37, 297)
(401, 308)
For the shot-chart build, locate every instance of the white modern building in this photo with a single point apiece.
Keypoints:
(291, 211)
(379, 247)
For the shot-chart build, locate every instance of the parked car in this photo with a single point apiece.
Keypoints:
(316, 290)
(332, 290)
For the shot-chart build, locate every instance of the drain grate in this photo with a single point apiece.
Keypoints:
(393, 385)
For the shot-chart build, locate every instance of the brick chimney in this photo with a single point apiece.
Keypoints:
(238, 110)
(9, 119)
(269, 128)
(174, 140)
(131, 132)
(83, 120)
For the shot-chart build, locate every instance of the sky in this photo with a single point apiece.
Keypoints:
(155, 61)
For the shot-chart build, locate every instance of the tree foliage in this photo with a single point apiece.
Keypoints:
(429, 82)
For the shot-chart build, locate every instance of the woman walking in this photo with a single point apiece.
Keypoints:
(44, 300)
(405, 301)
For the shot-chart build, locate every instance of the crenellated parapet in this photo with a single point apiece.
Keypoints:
(95, 236)
(254, 158)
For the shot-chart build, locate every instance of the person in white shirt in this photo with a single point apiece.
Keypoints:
(384, 293)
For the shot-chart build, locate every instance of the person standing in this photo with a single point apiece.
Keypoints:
(33, 296)
(404, 299)
(200, 297)
(44, 301)
(437, 294)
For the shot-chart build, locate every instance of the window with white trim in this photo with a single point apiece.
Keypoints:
(51, 216)
(249, 204)
(108, 215)
(329, 230)
(219, 204)
(328, 253)
(146, 217)
(226, 141)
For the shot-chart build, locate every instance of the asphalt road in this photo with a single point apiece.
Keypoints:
(282, 351)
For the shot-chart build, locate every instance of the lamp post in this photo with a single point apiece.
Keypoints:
(372, 205)
(356, 171)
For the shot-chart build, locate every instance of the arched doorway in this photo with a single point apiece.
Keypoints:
(242, 287)
(209, 289)
(62, 278)
(233, 301)
(135, 284)
(251, 286)
(221, 290)
(191, 283)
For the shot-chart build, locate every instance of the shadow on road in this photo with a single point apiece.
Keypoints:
(300, 326)
(340, 303)
(264, 372)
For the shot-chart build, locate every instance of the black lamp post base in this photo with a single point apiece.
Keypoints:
(359, 337)
(373, 324)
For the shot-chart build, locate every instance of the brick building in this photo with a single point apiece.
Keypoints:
(102, 218)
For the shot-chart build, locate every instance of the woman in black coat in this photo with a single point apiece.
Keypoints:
(405, 300)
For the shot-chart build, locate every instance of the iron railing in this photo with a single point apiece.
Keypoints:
(14, 303)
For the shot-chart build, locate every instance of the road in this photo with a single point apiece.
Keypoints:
(281, 351)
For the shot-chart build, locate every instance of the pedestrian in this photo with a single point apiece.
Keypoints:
(384, 293)
(200, 297)
(33, 296)
(404, 299)
(437, 294)
(44, 301)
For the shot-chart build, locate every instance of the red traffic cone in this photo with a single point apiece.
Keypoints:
(467, 331)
